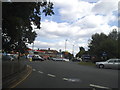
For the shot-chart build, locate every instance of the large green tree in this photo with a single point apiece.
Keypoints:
(17, 18)
(101, 43)
(67, 55)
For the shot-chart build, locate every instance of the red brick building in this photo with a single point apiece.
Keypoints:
(45, 53)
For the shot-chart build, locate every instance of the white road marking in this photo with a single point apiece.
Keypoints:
(51, 75)
(97, 86)
(65, 79)
(40, 72)
(34, 69)
(27, 65)
(72, 79)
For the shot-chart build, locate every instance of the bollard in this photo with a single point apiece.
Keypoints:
(30, 59)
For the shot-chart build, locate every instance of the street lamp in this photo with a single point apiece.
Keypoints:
(65, 44)
(33, 46)
(73, 51)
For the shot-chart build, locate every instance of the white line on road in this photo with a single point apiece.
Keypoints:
(27, 65)
(34, 69)
(51, 75)
(97, 86)
(40, 72)
(65, 79)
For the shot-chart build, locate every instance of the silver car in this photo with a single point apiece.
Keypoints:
(111, 63)
(57, 59)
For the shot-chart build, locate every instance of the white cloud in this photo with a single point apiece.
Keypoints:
(74, 34)
(87, 19)
(73, 9)
(105, 7)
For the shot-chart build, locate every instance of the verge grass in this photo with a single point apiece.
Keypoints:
(86, 63)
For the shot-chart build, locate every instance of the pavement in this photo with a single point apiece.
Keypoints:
(14, 80)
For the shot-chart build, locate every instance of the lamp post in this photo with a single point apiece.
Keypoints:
(33, 46)
(65, 44)
(73, 51)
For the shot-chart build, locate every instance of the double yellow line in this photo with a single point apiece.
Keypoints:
(13, 86)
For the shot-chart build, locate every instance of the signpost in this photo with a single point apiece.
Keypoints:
(104, 56)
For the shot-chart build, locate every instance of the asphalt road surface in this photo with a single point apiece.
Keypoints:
(57, 74)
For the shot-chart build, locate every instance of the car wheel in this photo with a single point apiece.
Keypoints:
(101, 66)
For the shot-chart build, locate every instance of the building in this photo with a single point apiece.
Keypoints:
(45, 53)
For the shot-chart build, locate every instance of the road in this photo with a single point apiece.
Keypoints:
(57, 74)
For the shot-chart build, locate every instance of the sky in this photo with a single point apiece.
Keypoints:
(74, 22)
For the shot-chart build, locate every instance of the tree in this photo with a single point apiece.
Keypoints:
(17, 18)
(95, 44)
(102, 43)
(81, 52)
(67, 55)
(113, 36)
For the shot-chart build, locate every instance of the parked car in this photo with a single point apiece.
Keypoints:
(86, 58)
(50, 58)
(37, 58)
(57, 59)
(64, 59)
(8, 57)
(111, 63)
(15, 56)
(76, 60)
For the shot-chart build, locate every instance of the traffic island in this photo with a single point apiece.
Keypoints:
(13, 80)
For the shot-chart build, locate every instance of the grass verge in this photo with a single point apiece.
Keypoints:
(87, 63)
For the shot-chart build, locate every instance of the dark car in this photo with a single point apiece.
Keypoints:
(50, 58)
(76, 60)
(86, 58)
(37, 58)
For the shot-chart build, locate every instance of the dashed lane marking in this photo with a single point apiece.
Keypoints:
(72, 79)
(51, 75)
(34, 69)
(40, 72)
(65, 79)
(101, 87)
